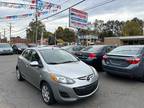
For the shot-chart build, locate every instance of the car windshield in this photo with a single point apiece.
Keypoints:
(92, 49)
(21, 46)
(5, 46)
(57, 56)
(127, 50)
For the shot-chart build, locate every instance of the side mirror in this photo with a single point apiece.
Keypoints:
(34, 63)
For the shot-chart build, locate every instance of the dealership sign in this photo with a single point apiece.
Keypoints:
(78, 18)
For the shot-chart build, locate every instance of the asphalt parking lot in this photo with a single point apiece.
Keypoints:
(113, 92)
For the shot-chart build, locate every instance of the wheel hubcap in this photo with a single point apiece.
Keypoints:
(18, 74)
(45, 93)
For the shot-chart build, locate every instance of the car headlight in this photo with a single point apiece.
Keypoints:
(94, 71)
(61, 79)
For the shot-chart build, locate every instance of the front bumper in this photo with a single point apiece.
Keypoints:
(69, 93)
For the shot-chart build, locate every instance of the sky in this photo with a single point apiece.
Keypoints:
(117, 10)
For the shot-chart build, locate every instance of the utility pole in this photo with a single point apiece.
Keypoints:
(10, 32)
(0, 37)
(55, 35)
(36, 19)
(42, 37)
(4, 33)
(143, 28)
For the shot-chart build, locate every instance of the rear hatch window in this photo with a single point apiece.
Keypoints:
(126, 50)
(92, 49)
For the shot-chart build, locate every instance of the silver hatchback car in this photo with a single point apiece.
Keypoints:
(58, 74)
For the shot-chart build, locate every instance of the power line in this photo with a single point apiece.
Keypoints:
(87, 9)
(63, 10)
(99, 5)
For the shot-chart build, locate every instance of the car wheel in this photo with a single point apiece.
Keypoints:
(18, 75)
(47, 94)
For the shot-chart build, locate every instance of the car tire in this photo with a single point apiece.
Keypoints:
(18, 75)
(47, 94)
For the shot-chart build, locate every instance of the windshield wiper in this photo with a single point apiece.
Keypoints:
(69, 61)
(53, 63)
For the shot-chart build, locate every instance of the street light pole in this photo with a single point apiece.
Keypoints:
(55, 37)
(36, 19)
(143, 28)
(42, 37)
(0, 37)
(10, 32)
(4, 33)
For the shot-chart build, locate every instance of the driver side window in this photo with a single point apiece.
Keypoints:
(26, 55)
(35, 56)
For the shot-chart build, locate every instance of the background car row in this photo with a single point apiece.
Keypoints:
(18, 48)
(92, 55)
(125, 60)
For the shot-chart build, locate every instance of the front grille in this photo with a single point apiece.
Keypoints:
(85, 90)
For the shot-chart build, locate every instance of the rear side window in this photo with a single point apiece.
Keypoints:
(109, 48)
(93, 49)
(127, 50)
(77, 48)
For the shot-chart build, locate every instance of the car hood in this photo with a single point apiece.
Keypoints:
(71, 70)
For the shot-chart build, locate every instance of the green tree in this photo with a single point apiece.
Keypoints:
(66, 34)
(59, 33)
(69, 35)
(133, 28)
(31, 31)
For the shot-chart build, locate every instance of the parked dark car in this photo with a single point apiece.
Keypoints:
(19, 48)
(73, 49)
(5, 48)
(93, 55)
(125, 61)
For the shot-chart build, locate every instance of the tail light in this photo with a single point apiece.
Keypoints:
(92, 56)
(133, 60)
(105, 57)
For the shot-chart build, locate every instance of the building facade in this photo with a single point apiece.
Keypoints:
(88, 39)
(124, 40)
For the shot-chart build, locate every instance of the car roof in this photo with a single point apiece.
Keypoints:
(43, 48)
